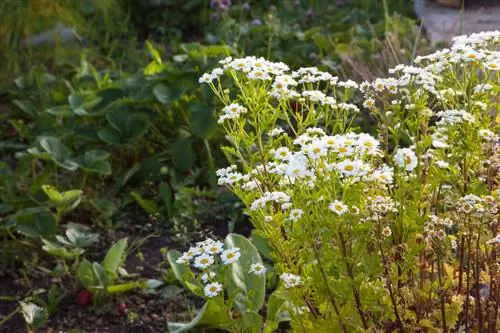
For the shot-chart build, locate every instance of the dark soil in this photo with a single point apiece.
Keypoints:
(144, 312)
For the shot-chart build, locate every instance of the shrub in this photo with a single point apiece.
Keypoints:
(391, 231)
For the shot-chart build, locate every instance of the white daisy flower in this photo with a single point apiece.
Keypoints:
(338, 207)
(290, 280)
(203, 261)
(257, 269)
(212, 289)
(214, 248)
(295, 214)
(406, 158)
(231, 255)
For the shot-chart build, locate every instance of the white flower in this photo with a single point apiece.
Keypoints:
(212, 289)
(183, 260)
(369, 103)
(203, 261)
(290, 280)
(349, 168)
(315, 150)
(387, 232)
(214, 248)
(257, 269)
(207, 276)
(487, 135)
(282, 154)
(442, 164)
(231, 255)
(276, 131)
(295, 214)
(338, 207)
(205, 78)
(406, 158)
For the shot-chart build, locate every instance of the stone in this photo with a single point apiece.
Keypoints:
(443, 23)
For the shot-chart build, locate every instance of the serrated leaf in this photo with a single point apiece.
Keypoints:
(115, 256)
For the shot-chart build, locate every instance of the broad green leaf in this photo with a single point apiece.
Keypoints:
(38, 225)
(66, 200)
(60, 251)
(75, 100)
(202, 121)
(149, 206)
(252, 287)
(58, 152)
(101, 277)
(54, 147)
(95, 161)
(183, 155)
(183, 273)
(110, 135)
(162, 93)
(251, 322)
(115, 256)
(210, 316)
(130, 124)
(261, 244)
(85, 274)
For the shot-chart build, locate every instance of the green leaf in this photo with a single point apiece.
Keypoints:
(166, 197)
(60, 251)
(39, 225)
(153, 68)
(251, 322)
(183, 155)
(183, 273)
(210, 316)
(110, 135)
(261, 244)
(148, 205)
(75, 100)
(58, 152)
(34, 315)
(123, 287)
(162, 93)
(101, 277)
(67, 200)
(202, 122)
(115, 256)
(154, 52)
(130, 124)
(252, 287)
(85, 274)
(95, 161)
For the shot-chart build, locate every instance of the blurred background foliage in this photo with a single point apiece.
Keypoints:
(103, 95)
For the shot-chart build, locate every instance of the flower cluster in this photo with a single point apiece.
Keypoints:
(206, 254)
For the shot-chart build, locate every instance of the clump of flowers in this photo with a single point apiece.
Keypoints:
(208, 257)
(393, 230)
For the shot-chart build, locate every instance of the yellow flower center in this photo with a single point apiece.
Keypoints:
(316, 150)
(204, 261)
(349, 167)
(230, 255)
(407, 160)
(213, 289)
